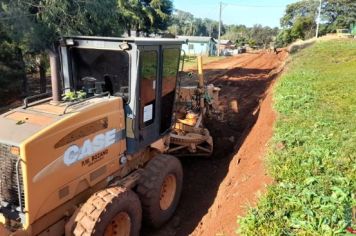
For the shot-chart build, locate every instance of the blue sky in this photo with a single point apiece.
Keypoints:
(247, 12)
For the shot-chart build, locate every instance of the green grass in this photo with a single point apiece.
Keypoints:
(312, 155)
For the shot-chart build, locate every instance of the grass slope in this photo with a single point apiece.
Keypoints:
(312, 155)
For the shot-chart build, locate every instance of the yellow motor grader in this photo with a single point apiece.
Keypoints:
(95, 156)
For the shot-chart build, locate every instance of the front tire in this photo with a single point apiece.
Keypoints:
(160, 188)
(110, 212)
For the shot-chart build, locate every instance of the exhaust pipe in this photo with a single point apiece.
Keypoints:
(56, 86)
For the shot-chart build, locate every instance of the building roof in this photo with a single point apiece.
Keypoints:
(198, 39)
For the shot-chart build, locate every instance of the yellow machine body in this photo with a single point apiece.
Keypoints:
(77, 151)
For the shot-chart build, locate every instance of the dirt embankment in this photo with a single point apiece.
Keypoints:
(217, 190)
(246, 175)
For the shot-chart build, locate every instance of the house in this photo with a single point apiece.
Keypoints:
(198, 45)
(227, 48)
(225, 44)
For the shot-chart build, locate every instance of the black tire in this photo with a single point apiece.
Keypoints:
(150, 185)
(98, 213)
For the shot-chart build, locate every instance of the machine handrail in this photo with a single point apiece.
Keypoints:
(26, 100)
(84, 100)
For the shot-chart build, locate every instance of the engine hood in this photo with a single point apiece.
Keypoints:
(22, 123)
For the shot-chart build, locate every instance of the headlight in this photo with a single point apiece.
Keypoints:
(15, 150)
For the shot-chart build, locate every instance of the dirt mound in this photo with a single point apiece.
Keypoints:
(216, 190)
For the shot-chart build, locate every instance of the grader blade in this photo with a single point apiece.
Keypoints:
(189, 137)
(191, 141)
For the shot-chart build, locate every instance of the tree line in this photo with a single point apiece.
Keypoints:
(184, 23)
(28, 28)
(299, 20)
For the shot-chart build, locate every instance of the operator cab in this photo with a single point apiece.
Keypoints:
(143, 71)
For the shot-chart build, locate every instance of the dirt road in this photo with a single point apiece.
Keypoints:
(217, 190)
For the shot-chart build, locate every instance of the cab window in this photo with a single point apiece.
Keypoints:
(169, 81)
(98, 71)
(148, 85)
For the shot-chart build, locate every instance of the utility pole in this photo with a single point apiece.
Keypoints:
(219, 28)
(318, 21)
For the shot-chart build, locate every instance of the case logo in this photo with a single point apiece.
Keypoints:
(101, 141)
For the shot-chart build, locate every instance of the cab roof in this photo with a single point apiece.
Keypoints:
(135, 40)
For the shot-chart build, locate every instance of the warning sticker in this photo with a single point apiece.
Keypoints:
(147, 113)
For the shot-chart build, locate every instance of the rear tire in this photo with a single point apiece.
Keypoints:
(113, 211)
(159, 189)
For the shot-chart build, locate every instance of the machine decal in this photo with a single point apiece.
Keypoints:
(95, 158)
(101, 141)
(59, 162)
(83, 131)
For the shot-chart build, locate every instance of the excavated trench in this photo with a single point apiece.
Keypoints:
(244, 81)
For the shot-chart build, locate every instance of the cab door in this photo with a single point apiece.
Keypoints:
(170, 64)
(148, 95)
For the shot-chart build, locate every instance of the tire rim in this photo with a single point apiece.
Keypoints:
(168, 192)
(120, 225)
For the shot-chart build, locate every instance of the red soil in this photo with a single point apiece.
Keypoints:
(216, 191)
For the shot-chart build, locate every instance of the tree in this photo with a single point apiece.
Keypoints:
(304, 8)
(181, 23)
(12, 69)
(131, 14)
(145, 15)
(36, 24)
(162, 12)
(257, 35)
(263, 36)
(237, 34)
(299, 21)
(210, 26)
(184, 23)
(339, 14)
(303, 28)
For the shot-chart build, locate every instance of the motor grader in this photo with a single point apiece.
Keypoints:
(95, 156)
